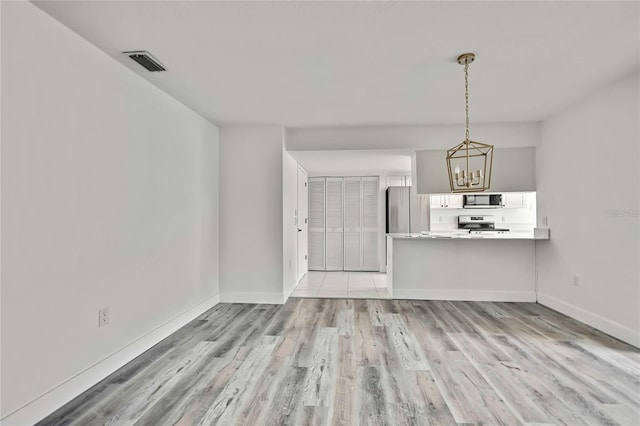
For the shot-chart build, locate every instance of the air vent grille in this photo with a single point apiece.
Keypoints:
(145, 59)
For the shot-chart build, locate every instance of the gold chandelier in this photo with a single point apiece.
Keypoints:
(469, 163)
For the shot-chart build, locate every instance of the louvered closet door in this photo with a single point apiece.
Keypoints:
(352, 224)
(334, 225)
(370, 227)
(316, 224)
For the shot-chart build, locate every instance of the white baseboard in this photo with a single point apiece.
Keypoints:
(292, 287)
(596, 321)
(274, 298)
(464, 295)
(55, 398)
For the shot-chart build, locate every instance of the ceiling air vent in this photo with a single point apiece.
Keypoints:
(145, 59)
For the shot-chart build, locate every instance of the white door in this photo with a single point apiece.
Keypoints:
(352, 224)
(303, 223)
(316, 224)
(334, 224)
(370, 226)
(343, 224)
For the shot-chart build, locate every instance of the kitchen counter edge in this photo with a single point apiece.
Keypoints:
(538, 234)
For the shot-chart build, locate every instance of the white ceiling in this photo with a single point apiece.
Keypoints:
(340, 63)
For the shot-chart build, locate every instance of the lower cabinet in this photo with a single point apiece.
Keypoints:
(343, 223)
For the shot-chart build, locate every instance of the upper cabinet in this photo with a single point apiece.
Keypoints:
(510, 200)
(513, 200)
(453, 201)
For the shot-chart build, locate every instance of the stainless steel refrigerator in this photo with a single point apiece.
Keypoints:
(398, 209)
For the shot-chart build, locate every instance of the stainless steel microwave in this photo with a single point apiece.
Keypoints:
(482, 201)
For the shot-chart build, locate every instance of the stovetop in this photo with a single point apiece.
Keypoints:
(478, 224)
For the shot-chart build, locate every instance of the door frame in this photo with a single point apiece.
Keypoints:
(302, 220)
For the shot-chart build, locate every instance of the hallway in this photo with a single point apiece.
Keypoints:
(342, 284)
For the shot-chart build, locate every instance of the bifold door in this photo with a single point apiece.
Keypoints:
(343, 224)
(334, 225)
(352, 224)
(370, 224)
(316, 224)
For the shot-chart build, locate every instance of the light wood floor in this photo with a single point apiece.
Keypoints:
(372, 362)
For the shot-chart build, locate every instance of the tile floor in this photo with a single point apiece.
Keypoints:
(339, 284)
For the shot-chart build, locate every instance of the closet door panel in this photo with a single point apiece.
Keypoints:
(370, 225)
(352, 224)
(317, 224)
(334, 236)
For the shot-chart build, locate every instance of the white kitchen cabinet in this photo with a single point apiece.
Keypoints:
(513, 200)
(453, 201)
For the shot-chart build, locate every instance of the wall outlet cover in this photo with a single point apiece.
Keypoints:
(103, 317)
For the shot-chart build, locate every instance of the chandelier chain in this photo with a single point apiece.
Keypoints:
(466, 100)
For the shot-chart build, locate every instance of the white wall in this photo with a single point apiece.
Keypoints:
(513, 170)
(251, 214)
(289, 223)
(494, 270)
(588, 187)
(109, 198)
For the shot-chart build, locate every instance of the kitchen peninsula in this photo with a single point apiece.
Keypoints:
(463, 266)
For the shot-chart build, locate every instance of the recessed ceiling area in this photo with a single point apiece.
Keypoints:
(302, 64)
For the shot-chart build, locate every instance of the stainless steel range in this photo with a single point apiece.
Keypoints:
(477, 224)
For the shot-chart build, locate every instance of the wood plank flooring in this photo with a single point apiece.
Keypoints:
(371, 362)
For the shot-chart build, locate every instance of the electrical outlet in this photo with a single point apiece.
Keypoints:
(575, 280)
(103, 317)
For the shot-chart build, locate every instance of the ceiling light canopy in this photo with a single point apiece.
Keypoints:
(469, 163)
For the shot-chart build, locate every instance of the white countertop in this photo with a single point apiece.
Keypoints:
(539, 234)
